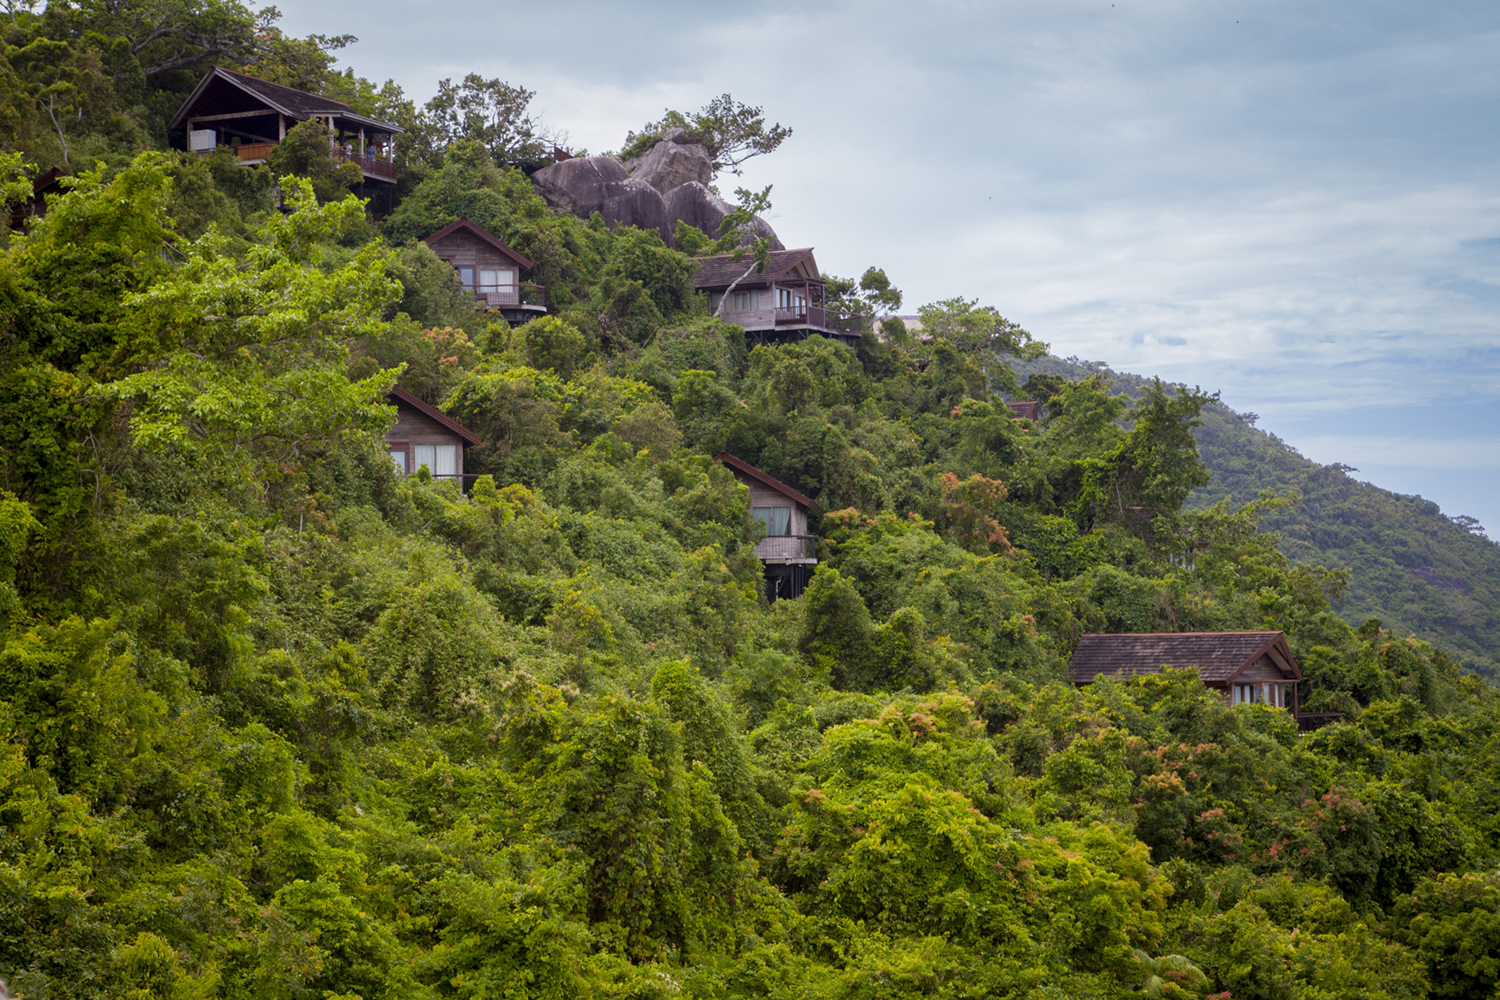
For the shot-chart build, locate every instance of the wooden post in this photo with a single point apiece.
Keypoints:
(281, 128)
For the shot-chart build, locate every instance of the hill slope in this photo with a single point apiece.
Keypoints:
(1413, 567)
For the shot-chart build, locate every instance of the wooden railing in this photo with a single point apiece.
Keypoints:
(787, 548)
(369, 164)
(809, 315)
(254, 152)
(847, 324)
(1308, 722)
(512, 295)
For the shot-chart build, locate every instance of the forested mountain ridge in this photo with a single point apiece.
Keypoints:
(279, 722)
(1417, 570)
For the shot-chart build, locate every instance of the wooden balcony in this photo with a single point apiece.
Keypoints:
(787, 549)
(856, 323)
(255, 152)
(1310, 722)
(260, 152)
(384, 169)
(521, 296)
(804, 316)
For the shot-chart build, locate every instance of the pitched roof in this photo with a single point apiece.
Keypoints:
(1028, 410)
(721, 271)
(289, 101)
(401, 397)
(464, 225)
(770, 482)
(1218, 656)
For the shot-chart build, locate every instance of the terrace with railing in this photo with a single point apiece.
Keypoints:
(800, 315)
(259, 152)
(1310, 722)
(855, 323)
(512, 295)
(787, 548)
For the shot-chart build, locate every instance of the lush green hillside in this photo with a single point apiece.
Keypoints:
(1410, 566)
(279, 723)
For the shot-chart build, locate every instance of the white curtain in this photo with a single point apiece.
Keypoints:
(440, 459)
(781, 520)
(447, 460)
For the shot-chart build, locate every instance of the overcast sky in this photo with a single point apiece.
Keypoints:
(1293, 203)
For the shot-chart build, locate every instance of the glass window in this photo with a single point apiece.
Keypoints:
(744, 302)
(466, 277)
(777, 520)
(398, 458)
(440, 459)
(447, 460)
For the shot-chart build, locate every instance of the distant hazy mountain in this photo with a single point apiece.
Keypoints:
(1413, 567)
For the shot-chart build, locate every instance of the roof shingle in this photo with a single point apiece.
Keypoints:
(1218, 656)
(765, 479)
(298, 104)
(722, 270)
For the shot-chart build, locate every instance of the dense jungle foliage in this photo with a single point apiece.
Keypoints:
(1417, 570)
(276, 722)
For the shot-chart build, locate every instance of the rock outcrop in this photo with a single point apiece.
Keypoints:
(698, 206)
(672, 163)
(667, 183)
(633, 202)
(580, 185)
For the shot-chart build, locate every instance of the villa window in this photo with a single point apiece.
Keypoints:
(441, 459)
(777, 520)
(1274, 694)
(497, 281)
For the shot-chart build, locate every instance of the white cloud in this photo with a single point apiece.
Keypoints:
(1286, 201)
(1408, 451)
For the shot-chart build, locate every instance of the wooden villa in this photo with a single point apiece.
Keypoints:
(785, 302)
(35, 204)
(788, 552)
(1254, 668)
(251, 117)
(490, 271)
(425, 435)
(1030, 409)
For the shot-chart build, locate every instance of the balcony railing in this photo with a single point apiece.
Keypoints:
(787, 548)
(801, 316)
(383, 169)
(512, 295)
(1308, 722)
(847, 324)
(255, 152)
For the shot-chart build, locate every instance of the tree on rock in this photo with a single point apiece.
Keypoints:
(731, 132)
